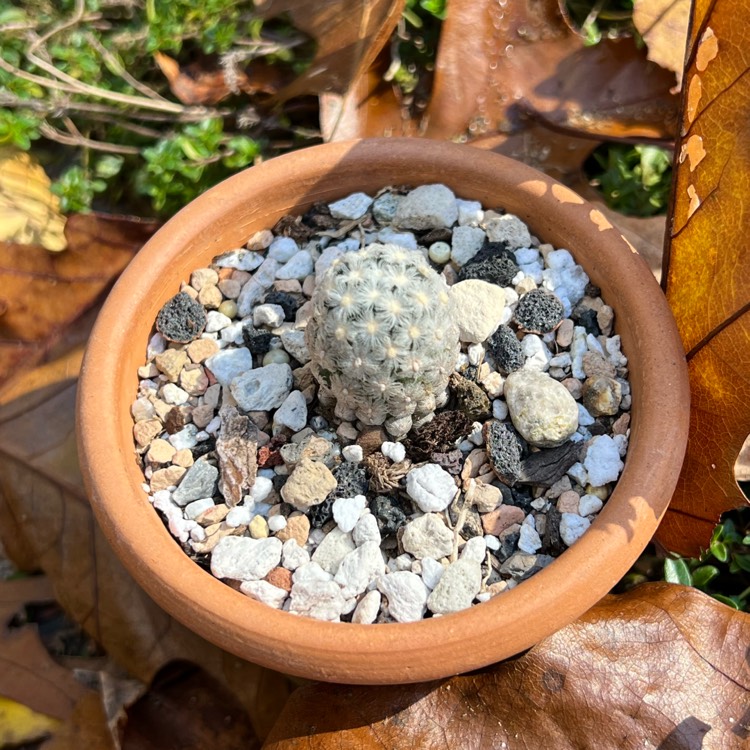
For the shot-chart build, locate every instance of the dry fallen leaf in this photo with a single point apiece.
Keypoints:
(708, 284)
(187, 709)
(29, 212)
(663, 24)
(42, 295)
(46, 522)
(663, 666)
(524, 79)
(348, 35)
(28, 675)
(207, 84)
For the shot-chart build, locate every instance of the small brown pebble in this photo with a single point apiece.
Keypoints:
(621, 424)
(371, 438)
(449, 274)
(171, 363)
(500, 519)
(145, 431)
(485, 497)
(183, 458)
(308, 285)
(602, 396)
(241, 276)
(210, 296)
(213, 515)
(269, 457)
(215, 533)
(594, 364)
(162, 408)
(290, 286)
(347, 432)
(201, 349)
(202, 415)
(568, 502)
(297, 528)
(280, 577)
(160, 451)
(303, 377)
(574, 387)
(164, 478)
(605, 318)
(177, 418)
(260, 240)
(225, 274)
(564, 335)
(474, 461)
(230, 288)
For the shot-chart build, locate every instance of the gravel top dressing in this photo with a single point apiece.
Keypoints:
(386, 409)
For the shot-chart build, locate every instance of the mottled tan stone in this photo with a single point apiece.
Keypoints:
(160, 451)
(210, 296)
(201, 349)
(258, 528)
(297, 528)
(146, 430)
(213, 515)
(171, 362)
(164, 478)
(194, 381)
(203, 277)
(202, 415)
(183, 458)
(568, 502)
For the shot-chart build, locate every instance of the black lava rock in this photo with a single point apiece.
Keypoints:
(390, 514)
(278, 482)
(258, 342)
(506, 350)
(203, 448)
(504, 451)
(586, 317)
(322, 513)
(539, 311)
(351, 478)
(288, 303)
(494, 263)
(182, 319)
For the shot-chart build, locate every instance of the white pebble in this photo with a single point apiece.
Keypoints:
(173, 394)
(184, 438)
(292, 413)
(499, 409)
(261, 489)
(529, 540)
(578, 472)
(492, 542)
(213, 426)
(469, 212)
(475, 353)
(466, 243)
(536, 352)
(474, 549)
(353, 453)
(242, 558)
(297, 267)
(282, 249)
(216, 321)
(240, 260)
(157, 344)
(475, 436)
(572, 527)
(602, 462)
(431, 487)
(584, 417)
(194, 509)
(395, 451)
(360, 568)
(367, 610)
(406, 594)
(240, 515)
(276, 523)
(347, 510)
(589, 504)
(229, 364)
(271, 316)
(390, 236)
(432, 572)
(265, 592)
(293, 556)
(366, 530)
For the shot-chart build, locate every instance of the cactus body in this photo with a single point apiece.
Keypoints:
(383, 337)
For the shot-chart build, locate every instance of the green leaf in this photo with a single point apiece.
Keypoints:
(108, 166)
(704, 575)
(742, 562)
(677, 571)
(719, 551)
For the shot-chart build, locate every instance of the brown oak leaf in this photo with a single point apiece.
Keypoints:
(708, 282)
(663, 666)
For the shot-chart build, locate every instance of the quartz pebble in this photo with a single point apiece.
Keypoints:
(481, 306)
(352, 207)
(241, 558)
(347, 510)
(431, 487)
(602, 462)
(406, 594)
(262, 389)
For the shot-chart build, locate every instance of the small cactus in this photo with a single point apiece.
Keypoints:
(383, 338)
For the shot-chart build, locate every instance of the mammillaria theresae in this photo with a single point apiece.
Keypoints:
(383, 337)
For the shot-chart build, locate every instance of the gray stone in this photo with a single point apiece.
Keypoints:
(255, 289)
(541, 408)
(294, 342)
(521, 565)
(228, 364)
(292, 413)
(457, 587)
(406, 593)
(466, 242)
(199, 482)
(263, 389)
(508, 229)
(384, 207)
(241, 260)
(427, 207)
(297, 267)
(427, 536)
(241, 558)
(352, 207)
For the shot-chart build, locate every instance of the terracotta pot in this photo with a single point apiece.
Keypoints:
(223, 219)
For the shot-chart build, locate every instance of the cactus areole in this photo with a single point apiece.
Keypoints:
(383, 337)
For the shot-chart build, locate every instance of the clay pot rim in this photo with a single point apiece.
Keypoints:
(398, 652)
